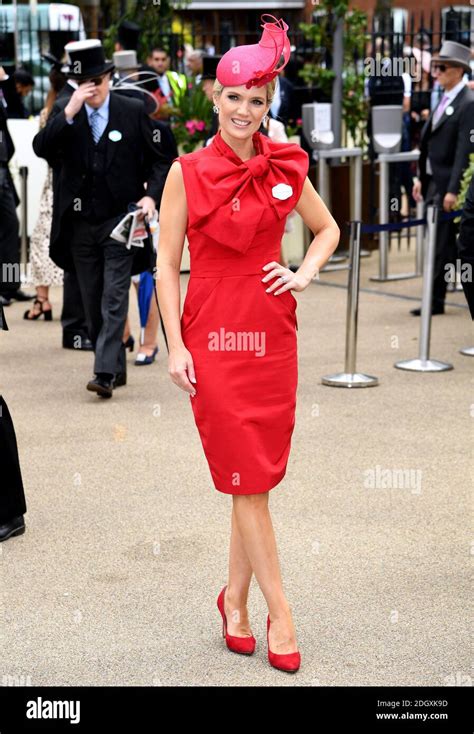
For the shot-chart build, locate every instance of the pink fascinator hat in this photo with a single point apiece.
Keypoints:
(256, 64)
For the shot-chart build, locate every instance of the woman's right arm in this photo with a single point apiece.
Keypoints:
(173, 220)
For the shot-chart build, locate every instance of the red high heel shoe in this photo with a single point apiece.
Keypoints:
(242, 645)
(290, 662)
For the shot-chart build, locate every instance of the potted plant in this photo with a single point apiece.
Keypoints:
(191, 119)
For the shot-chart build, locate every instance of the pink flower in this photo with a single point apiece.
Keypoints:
(194, 126)
(299, 121)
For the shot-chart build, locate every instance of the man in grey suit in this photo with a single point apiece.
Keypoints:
(447, 141)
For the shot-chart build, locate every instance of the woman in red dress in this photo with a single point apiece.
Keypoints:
(234, 349)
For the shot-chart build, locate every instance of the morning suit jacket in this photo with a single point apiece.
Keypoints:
(466, 245)
(130, 162)
(448, 145)
(10, 147)
(168, 140)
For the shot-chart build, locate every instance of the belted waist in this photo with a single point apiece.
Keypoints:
(226, 269)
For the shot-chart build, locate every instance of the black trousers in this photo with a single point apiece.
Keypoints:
(12, 495)
(9, 239)
(446, 250)
(104, 268)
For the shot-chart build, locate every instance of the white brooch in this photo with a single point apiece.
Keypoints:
(449, 110)
(282, 191)
(115, 136)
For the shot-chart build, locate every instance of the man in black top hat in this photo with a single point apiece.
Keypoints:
(107, 149)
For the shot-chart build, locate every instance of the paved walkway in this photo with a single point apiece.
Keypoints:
(116, 578)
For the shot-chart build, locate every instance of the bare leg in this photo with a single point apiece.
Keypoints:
(256, 530)
(126, 331)
(236, 593)
(151, 332)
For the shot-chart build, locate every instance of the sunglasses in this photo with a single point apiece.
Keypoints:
(443, 67)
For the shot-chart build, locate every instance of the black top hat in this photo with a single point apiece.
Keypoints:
(86, 60)
(209, 66)
(51, 59)
(128, 34)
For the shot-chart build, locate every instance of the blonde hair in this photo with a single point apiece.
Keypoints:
(270, 87)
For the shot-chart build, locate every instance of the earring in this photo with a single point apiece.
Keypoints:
(216, 109)
(264, 119)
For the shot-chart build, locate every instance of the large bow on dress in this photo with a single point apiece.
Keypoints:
(231, 195)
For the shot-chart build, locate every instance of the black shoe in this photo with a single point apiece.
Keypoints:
(102, 384)
(120, 379)
(77, 341)
(435, 310)
(4, 301)
(130, 343)
(20, 295)
(16, 526)
(143, 359)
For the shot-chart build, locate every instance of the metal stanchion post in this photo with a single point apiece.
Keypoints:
(383, 218)
(351, 378)
(356, 188)
(323, 180)
(356, 193)
(423, 363)
(420, 240)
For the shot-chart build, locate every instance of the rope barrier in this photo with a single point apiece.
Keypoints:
(397, 226)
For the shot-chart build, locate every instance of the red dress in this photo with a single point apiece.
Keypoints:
(242, 339)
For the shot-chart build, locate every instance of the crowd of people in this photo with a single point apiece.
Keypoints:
(107, 136)
(159, 89)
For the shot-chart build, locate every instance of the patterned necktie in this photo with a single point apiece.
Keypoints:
(95, 125)
(440, 109)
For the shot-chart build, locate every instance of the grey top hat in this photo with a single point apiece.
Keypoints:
(125, 60)
(454, 53)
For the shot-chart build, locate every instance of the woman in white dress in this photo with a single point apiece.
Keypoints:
(44, 273)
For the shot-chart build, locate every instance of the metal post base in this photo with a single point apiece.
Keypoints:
(423, 365)
(349, 379)
(467, 351)
(397, 276)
